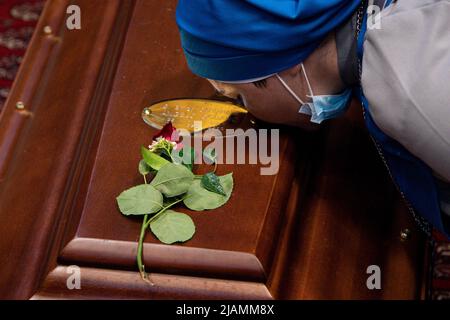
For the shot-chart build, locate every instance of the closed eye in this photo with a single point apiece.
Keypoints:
(260, 83)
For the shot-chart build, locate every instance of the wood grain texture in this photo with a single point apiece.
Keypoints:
(112, 284)
(308, 232)
(41, 143)
(350, 217)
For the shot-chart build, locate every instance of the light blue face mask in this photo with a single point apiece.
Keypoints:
(322, 107)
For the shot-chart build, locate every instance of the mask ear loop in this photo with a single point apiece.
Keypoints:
(307, 81)
(285, 85)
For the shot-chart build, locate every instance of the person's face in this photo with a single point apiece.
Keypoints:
(269, 100)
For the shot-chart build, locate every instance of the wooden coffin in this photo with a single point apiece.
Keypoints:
(308, 232)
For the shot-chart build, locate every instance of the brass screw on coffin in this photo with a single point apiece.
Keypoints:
(48, 30)
(20, 105)
(405, 234)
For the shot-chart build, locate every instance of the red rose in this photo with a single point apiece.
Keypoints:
(168, 132)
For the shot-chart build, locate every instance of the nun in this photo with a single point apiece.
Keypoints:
(300, 63)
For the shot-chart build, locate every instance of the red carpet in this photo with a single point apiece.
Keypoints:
(17, 21)
(440, 283)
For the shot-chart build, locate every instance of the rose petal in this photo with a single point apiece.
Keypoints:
(167, 132)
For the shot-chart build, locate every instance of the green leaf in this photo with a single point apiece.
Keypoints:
(199, 199)
(142, 199)
(173, 180)
(172, 226)
(144, 168)
(153, 160)
(211, 183)
(209, 155)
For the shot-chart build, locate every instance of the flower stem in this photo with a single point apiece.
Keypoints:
(145, 223)
(140, 250)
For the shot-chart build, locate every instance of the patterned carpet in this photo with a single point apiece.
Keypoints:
(440, 282)
(17, 21)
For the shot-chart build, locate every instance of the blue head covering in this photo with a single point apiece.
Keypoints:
(234, 40)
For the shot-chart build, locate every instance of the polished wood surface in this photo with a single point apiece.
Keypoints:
(308, 232)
